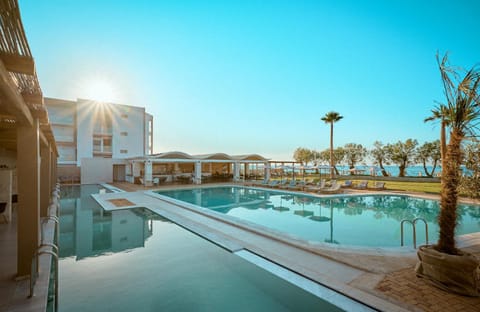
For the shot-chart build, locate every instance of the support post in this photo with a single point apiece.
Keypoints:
(28, 212)
(44, 180)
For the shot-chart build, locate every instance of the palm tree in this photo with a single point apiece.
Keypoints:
(440, 113)
(462, 111)
(331, 118)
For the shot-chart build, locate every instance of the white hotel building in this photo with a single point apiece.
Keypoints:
(94, 138)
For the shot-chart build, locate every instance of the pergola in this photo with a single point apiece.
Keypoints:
(28, 153)
(171, 166)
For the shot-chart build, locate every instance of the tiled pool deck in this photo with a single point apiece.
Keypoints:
(382, 279)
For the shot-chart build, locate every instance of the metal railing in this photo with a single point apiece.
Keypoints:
(34, 269)
(413, 223)
(54, 252)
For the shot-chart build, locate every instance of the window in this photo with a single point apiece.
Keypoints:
(123, 151)
(125, 116)
(124, 133)
(102, 145)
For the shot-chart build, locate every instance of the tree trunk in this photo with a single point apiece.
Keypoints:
(352, 169)
(433, 169)
(384, 172)
(402, 170)
(428, 174)
(447, 219)
(331, 152)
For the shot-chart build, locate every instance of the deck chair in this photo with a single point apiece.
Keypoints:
(362, 185)
(379, 186)
(347, 183)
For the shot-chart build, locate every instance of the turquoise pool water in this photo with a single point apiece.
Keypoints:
(372, 220)
(135, 260)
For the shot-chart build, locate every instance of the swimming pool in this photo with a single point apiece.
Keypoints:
(372, 220)
(136, 260)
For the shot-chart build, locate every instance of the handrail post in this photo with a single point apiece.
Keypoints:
(33, 273)
(414, 228)
(426, 226)
(401, 229)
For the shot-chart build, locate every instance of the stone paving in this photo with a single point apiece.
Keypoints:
(416, 294)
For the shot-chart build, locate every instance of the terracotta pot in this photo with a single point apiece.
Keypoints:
(455, 273)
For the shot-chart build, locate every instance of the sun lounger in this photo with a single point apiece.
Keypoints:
(347, 183)
(379, 186)
(274, 183)
(320, 185)
(296, 186)
(362, 185)
(333, 189)
(309, 182)
(282, 184)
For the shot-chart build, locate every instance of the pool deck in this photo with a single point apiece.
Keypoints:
(381, 278)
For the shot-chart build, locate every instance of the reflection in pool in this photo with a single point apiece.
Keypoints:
(135, 260)
(372, 220)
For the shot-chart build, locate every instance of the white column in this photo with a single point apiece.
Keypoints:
(198, 173)
(236, 171)
(148, 173)
(267, 171)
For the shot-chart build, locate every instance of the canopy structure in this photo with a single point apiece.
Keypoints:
(183, 167)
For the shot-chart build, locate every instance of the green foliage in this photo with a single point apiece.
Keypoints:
(354, 153)
(402, 154)
(379, 154)
(331, 117)
(462, 110)
(303, 155)
(428, 153)
(470, 184)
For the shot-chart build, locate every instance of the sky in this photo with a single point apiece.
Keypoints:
(243, 77)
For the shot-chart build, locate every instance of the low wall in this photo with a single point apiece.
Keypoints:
(98, 170)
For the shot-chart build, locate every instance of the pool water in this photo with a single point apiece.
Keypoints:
(136, 260)
(372, 220)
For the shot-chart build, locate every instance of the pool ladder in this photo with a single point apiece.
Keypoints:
(414, 223)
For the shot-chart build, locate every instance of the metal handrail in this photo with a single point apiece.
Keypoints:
(413, 223)
(34, 273)
(45, 220)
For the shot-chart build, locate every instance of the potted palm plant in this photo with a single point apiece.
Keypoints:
(444, 264)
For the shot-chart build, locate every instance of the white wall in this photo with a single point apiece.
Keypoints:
(84, 130)
(133, 124)
(98, 170)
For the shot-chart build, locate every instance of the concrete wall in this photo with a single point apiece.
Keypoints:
(98, 170)
(131, 120)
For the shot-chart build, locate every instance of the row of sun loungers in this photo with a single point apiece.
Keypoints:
(363, 185)
(320, 187)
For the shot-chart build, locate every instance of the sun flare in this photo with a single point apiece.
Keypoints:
(100, 89)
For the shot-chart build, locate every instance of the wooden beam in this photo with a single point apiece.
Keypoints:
(10, 99)
(18, 64)
(36, 98)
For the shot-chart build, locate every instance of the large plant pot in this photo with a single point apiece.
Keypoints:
(456, 273)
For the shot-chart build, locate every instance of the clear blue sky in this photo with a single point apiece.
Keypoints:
(256, 76)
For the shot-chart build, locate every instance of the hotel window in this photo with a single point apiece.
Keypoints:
(124, 133)
(123, 151)
(102, 146)
(125, 116)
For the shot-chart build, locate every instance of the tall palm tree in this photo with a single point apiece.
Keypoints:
(331, 118)
(462, 111)
(440, 113)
